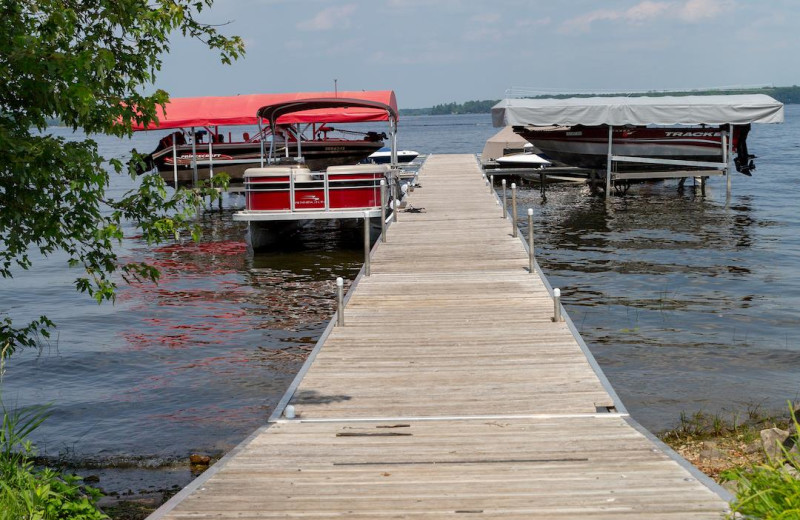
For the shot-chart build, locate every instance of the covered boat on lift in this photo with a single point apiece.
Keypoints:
(282, 195)
(199, 148)
(626, 138)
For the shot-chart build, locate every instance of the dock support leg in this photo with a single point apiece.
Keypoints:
(340, 301)
(514, 210)
(541, 184)
(366, 244)
(530, 240)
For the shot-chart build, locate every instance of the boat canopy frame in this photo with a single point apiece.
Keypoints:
(723, 110)
(272, 113)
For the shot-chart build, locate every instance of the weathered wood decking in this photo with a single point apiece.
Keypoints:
(449, 391)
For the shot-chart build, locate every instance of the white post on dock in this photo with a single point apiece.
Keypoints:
(530, 240)
(175, 162)
(383, 210)
(505, 204)
(194, 158)
(289, 412)
(608, 160)
(557, 305)
(340, 301)
(366, 244)
(514, 209)
(491, 183)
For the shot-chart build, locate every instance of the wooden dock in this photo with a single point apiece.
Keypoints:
(450, 392)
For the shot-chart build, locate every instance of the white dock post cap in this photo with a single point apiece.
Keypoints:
(513, 185)
(339, 281)
(288, 412)
(530, 212)
(503, 182)
(383, 182)
(557, 293)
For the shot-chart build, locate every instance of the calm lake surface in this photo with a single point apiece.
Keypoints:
(688, 302)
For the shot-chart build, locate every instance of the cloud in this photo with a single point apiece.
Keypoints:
(485, 18)
(698, 10)
(691, 11)
(584, 22)
(646, 11)
(338, 16)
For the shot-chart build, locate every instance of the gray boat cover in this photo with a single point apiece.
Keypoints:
(617, 111)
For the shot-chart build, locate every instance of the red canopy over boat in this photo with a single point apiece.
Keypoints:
(241, 110)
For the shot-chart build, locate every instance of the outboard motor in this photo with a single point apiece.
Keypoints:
(165, 142)
(375, 136)
(743, 160)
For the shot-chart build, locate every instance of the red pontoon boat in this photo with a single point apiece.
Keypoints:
(200, 148)
(281, 197)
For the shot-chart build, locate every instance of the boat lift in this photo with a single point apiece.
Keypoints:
(722, 110)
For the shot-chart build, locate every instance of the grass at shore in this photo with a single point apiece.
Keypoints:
(719, 442)
(731, 451)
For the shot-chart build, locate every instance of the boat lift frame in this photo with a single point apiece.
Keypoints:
(724, 167)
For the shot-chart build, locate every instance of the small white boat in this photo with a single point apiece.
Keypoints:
(522, 160)
(384, 156)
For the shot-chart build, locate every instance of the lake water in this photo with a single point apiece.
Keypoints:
(688, 302)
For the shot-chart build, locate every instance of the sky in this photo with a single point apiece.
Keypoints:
(432, 52)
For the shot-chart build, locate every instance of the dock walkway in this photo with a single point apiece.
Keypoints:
(450, 391)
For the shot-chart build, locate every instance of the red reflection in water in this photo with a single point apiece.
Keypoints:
(226, 247)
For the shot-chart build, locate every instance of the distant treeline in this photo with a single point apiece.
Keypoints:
(786, 95)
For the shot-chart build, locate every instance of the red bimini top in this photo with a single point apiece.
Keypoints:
(242, 110)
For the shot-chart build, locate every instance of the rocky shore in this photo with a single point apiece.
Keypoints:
(725, 448)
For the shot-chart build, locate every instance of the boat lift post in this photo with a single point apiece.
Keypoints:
(393, 139)
(210, 155)
(194, 158)
(300, 159)
(271, 143)
(729, 158)
(175, 162)
(608, 160)
(383, 210)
